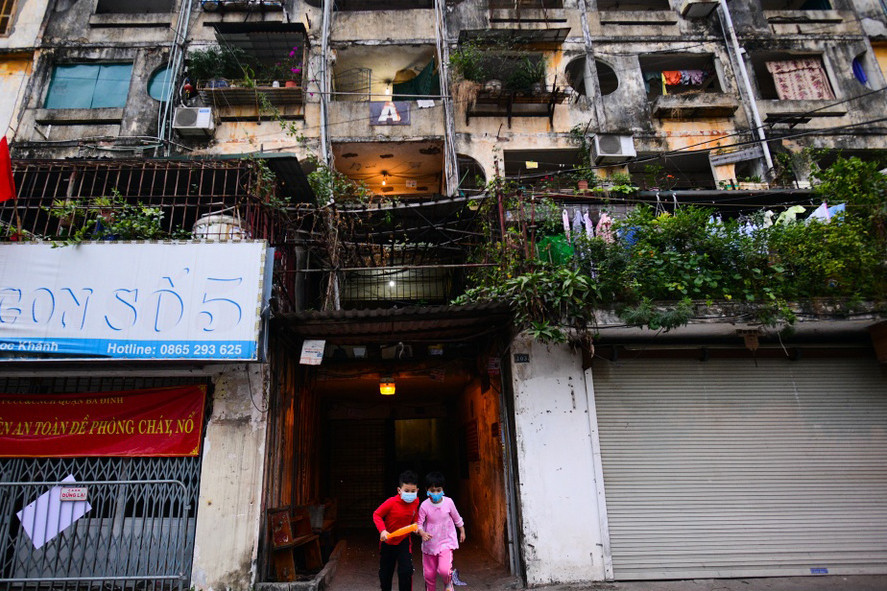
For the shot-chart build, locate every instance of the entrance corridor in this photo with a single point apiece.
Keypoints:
(358, 569)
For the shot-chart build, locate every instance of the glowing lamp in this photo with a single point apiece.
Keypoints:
(386, 386)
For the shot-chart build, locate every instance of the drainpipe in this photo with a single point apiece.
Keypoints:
(733, 43)
(325, 84)
(325, 147)
(592, 87)
(443, 52)
(176, 59)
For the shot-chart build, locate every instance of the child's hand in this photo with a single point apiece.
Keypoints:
(462, 536)
(384, 535)
(425, 536)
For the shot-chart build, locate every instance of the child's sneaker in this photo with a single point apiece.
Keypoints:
(456, 580)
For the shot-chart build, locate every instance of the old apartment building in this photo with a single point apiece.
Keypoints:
(257, 215)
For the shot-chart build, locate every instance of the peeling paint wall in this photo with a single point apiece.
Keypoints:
(17, 48)
(14, 73)
(485, 513)
(229, 507)
(562, 542)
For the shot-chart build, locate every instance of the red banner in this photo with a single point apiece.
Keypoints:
(160, 422)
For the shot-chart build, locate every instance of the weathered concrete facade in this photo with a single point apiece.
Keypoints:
(231, 481)
(597, 58)
(18, 43)
(559, 488)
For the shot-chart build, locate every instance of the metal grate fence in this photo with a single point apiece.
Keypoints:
(134, 531)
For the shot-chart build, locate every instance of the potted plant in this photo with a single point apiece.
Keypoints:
(468, 73)
(286, 72)
(214, 65)
(526, 75)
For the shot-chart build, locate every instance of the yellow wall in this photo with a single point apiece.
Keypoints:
(14, 72)
(881, 56)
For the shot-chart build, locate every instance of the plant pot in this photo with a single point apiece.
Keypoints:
(493, 86)
(753, 186)
(582, 185)
(291, 84)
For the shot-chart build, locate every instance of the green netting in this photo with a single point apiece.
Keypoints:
(555, 249)
(426, 83)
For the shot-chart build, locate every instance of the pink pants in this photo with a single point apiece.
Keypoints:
(434, 565)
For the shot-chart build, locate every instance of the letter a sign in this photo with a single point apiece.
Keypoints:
(390, 113)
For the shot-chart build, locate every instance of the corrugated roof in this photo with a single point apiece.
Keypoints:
(414, 324)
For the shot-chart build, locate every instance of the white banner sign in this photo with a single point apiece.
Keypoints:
(186, 300)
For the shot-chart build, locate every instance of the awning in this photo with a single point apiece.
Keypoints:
(415, 324)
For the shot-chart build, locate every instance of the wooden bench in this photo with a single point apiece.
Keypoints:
(291, 533)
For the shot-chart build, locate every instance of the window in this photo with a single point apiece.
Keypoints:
(788, 76)
(678, 73)
(89, 86)
(159, 85)
(606, 76)
(6, 9)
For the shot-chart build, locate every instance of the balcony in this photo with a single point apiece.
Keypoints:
(255, 66)
(400, 119)
(693, 106)
(234, 96)
(367, 5)
(527, 12)
(186, 192)
(636, 12)
(685, 86)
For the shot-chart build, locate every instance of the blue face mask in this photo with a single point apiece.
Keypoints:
(436, 497)
(408, 497)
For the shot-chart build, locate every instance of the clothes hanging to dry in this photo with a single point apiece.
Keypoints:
(800, 80)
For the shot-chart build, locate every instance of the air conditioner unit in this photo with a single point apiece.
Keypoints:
(612, 149)
(698, 8)
(194, 122)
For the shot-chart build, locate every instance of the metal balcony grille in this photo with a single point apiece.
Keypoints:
(184, 190)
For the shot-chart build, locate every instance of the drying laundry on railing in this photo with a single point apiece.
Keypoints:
(674, 78)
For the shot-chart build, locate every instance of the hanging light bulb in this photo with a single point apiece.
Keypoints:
(384, 178)
(386, 386)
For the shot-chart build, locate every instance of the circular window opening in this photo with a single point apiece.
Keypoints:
(159, 86)
(471, 174)
(606, 76)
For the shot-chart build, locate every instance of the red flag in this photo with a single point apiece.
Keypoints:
(7, 185)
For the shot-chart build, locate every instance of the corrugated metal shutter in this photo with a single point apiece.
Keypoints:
(728, 469)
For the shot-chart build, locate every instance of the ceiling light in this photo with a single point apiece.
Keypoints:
(386, 386)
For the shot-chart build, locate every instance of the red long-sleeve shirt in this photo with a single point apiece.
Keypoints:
(394, 514)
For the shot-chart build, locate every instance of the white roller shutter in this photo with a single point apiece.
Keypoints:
(728, 469)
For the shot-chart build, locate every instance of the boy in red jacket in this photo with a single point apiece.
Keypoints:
(397, 512)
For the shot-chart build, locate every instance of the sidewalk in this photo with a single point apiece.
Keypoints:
(820, 583)
(359, 566)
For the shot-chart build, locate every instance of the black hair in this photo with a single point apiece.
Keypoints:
(408, 477)
(435, 479)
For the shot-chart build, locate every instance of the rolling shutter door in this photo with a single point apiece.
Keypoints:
(728, 469)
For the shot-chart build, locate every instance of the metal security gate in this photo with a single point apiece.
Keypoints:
(139, 531)
(730, 468)
(135, 529)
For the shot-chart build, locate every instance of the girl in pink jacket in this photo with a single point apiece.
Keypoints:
(438, 521)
